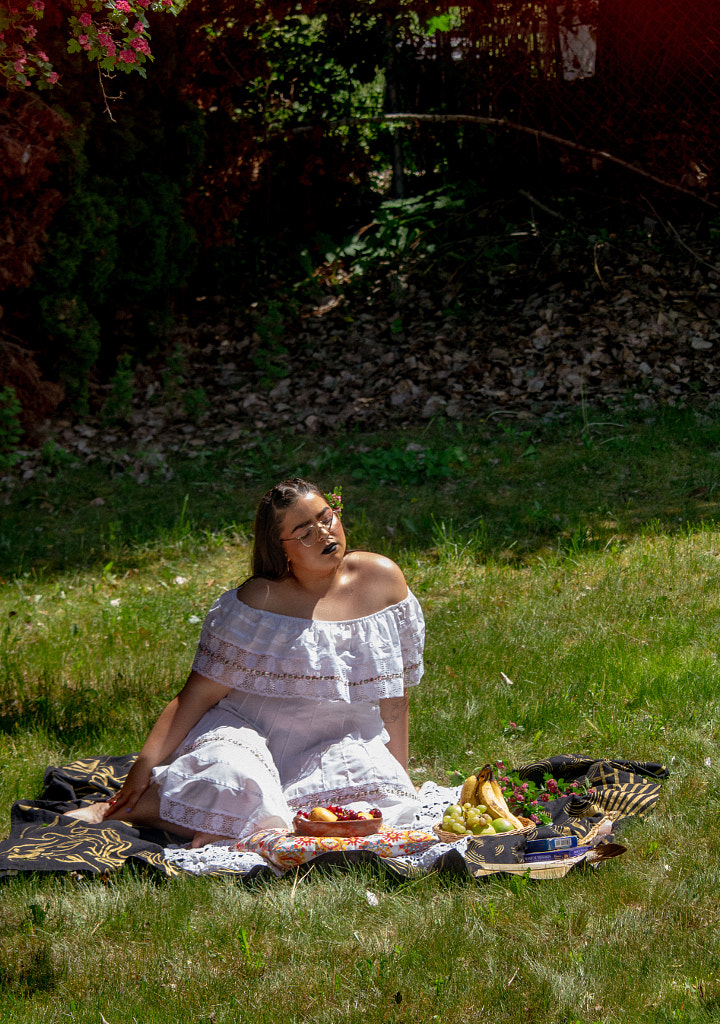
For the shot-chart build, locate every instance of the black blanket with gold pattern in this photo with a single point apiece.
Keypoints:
(44, 839)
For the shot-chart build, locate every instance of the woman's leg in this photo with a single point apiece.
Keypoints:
(146, 812)
(225, 786)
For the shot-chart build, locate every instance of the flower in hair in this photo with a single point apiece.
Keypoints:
(334, 500)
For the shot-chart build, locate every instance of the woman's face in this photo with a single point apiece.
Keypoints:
(311, 520)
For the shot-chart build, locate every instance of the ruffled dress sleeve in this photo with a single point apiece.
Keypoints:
(356, 660)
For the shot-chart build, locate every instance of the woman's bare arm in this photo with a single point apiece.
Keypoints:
(394, 712)
(176, 720)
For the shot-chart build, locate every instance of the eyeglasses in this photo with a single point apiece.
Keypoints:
(311, 535)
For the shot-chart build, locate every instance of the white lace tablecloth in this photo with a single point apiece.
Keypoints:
(224, 858)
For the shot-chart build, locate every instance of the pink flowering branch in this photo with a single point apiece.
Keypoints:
(20, 61)
(112, 32)
(116, 36)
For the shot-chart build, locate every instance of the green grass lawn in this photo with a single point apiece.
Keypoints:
(578, 559)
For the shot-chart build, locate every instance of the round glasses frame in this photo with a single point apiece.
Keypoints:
(311, 535)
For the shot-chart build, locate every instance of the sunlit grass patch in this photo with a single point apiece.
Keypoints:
(570, 584)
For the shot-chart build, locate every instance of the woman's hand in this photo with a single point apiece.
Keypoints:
(181, 714)
(135, 784)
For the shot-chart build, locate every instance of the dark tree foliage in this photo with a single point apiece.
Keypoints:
(29, 131)
(226, 163)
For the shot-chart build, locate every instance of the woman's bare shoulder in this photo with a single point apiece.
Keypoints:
(380, 572)
(258, 593)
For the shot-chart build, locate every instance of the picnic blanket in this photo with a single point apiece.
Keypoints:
(43, 838)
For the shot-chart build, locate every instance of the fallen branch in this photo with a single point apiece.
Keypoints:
(500, 122)
(544, 208)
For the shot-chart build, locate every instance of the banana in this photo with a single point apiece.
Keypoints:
(491, 795)
(468, 792)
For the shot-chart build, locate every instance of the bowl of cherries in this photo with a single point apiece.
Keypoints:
(340, 822)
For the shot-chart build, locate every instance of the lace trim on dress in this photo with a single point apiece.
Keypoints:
(176, 813)
(350, 794)
(248, 748)
(264, 681)
(361, 660)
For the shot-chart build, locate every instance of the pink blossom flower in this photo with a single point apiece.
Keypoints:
(82, 40)
(42, 56)
(140, 45)
(127, 57)
(30, 31)
(123, 6)
(110, 48)
(52, 77)
(143, 3)
(38, 5)
(85, 19)
(104, 38)
(139, 28)
(19, 65)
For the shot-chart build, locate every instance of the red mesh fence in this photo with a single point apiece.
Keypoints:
(639, 79)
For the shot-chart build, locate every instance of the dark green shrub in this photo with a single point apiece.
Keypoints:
(75, 334)
(10, 427)
(118, 406)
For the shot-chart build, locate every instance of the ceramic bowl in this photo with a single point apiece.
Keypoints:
(337, 829)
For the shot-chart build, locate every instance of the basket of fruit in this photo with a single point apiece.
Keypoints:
(481, 810)
(339, 822)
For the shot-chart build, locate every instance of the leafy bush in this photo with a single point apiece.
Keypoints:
(10, 427)
(119, 402)
(76, 336)
(270, 355)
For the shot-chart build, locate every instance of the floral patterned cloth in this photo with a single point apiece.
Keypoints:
(285, 850)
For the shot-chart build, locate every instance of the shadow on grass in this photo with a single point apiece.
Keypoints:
(76, 716)
(505, 490)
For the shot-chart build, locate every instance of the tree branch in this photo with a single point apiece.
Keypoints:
(500, 122)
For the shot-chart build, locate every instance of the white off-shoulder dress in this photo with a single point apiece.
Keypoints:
(301, 726)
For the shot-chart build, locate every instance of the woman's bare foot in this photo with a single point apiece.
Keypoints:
(205, 838)
(93, 813)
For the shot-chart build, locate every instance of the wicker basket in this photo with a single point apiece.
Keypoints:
(452, 837)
